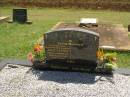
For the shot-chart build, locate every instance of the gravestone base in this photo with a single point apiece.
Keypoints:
(39, 65)
(27, 22)
(63, 64)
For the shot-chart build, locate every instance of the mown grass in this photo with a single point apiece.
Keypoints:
(123, 60)
(16, 40)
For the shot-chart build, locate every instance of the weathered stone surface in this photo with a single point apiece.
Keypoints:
(71, 45)
(4, 62)
(4, 19)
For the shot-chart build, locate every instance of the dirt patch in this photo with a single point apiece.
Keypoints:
(110, 35)
(121, 6)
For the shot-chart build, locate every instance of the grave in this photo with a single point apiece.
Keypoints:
(112, 36)
(74, 47)
(71, 48)
(88, 22)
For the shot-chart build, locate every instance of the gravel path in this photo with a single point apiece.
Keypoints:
(25, 82)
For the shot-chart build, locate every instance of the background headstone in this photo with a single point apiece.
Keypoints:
(20, 15)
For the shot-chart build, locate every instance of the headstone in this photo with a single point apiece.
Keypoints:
(129, 28)
(71, 46)
(20, 15)
(88, 22)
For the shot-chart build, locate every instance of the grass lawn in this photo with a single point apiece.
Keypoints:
(17, 40)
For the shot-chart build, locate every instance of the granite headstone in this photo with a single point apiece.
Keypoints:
(71, 46)
(20, 15)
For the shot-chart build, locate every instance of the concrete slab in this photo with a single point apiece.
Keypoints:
(4, 19)
(112, 37)
(123, 71)
(3, 63)
(26, 63)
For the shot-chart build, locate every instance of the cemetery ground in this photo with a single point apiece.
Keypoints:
(17, 40)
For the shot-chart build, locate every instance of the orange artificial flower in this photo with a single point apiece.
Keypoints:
(38, 48)
(30, 57)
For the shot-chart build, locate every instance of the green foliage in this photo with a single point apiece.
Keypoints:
(110, 66)
(39, 56)
(123, 59)
(111, 54)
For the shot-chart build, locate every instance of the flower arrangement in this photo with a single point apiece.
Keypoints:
(100, 54)
(38, 53)
(107, 60)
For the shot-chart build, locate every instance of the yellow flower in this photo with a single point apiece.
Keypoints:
(100, 54)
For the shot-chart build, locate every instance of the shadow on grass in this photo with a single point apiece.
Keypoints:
(70, 77)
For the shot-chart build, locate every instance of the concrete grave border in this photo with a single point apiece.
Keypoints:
(4, 18)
